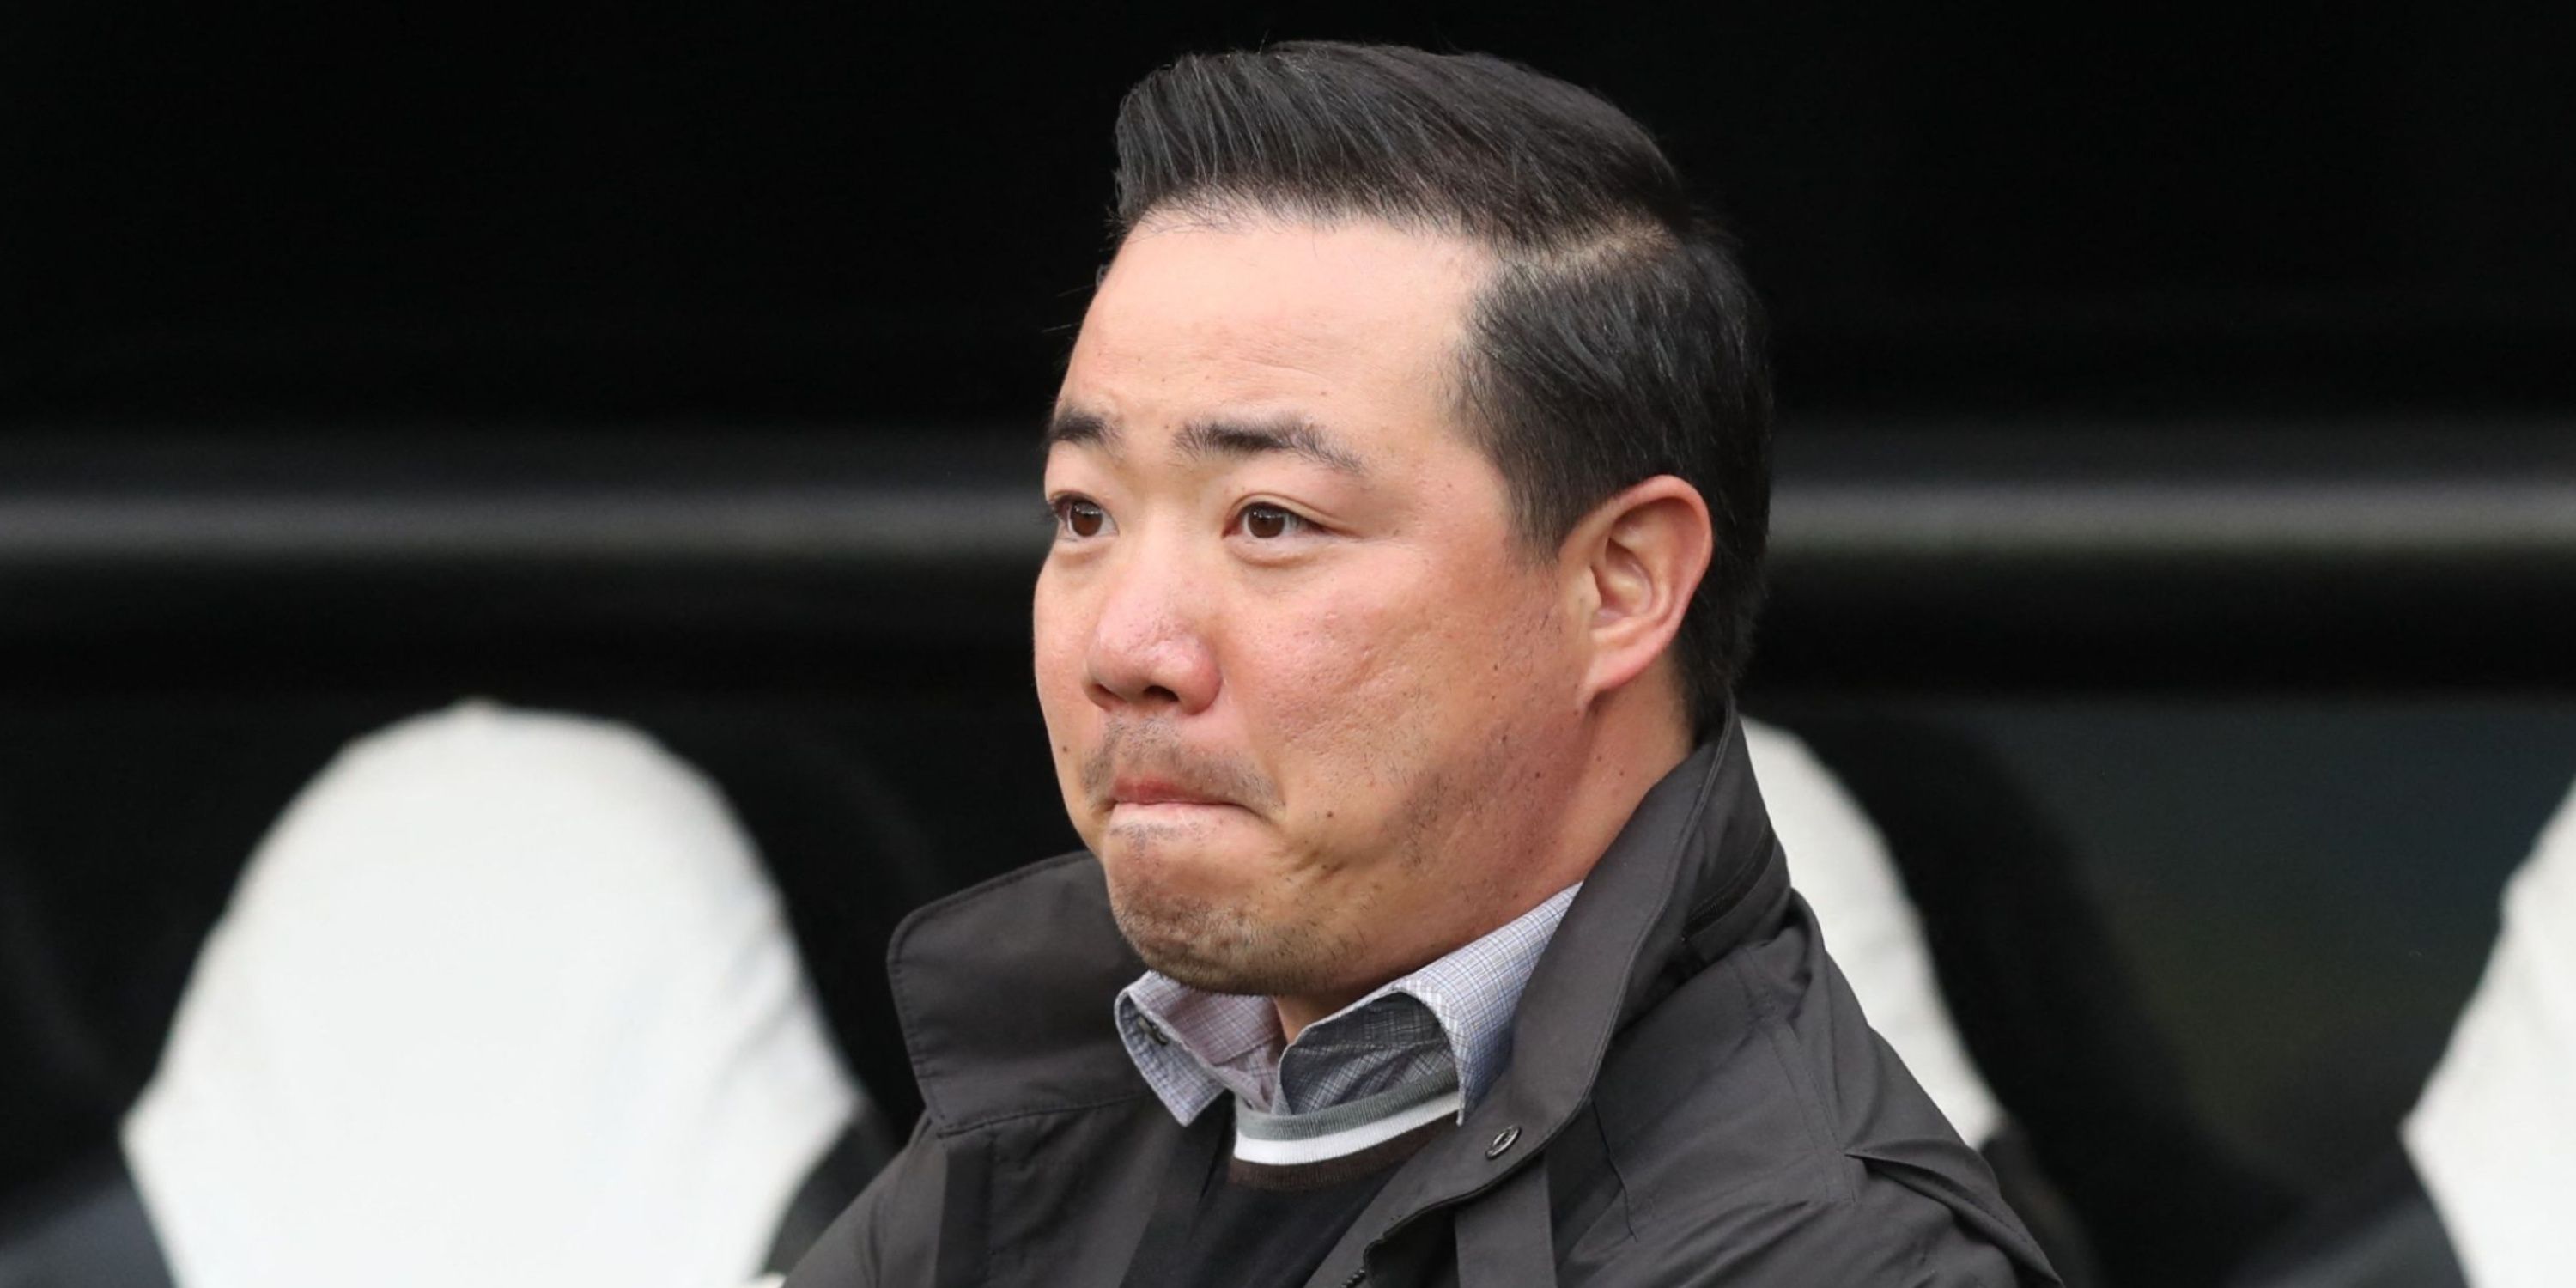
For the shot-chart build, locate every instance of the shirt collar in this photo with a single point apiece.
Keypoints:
(1191, 1045)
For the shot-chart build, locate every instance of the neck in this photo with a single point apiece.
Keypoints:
(1295, 1013)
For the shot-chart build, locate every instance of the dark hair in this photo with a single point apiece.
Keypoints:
(1616, 341)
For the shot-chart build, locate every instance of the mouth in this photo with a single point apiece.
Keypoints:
(1156, 792)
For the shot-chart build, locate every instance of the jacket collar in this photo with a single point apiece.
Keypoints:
(1695, 873)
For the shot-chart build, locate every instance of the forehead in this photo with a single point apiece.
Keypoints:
(1354, 325)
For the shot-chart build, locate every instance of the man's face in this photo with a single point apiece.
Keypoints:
(1309, 700)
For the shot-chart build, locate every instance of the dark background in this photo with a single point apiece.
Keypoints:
(832, 212)
(2177, 423)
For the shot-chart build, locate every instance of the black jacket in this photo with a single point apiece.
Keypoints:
(1694, 1098)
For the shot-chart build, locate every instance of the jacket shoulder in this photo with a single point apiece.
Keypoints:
(1875, 1237)
(1753, 1105)
(883, 1236)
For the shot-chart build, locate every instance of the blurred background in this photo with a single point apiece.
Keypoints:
(2175, 527)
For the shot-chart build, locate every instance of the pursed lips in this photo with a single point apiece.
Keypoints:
(1145, 767)
(1156, 791)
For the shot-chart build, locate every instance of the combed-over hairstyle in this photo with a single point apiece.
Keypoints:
(1616, 341)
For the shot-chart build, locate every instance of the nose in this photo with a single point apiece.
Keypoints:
(1149, 651)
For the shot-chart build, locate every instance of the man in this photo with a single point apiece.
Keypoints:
(1410, 476)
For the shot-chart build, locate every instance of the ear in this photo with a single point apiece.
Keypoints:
(1635, 562)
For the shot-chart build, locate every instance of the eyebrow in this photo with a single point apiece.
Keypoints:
(1292, 434)
(1295, 435)
(1080, 427)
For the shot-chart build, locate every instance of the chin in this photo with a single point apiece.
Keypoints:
(1216, 943)
(1200, 856)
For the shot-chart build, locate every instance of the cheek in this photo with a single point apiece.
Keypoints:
(1059, 627)
(1058, 661)
(1331, 681)
(1372, 684)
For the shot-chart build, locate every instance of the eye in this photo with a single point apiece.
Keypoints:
(1270, 522)
(1079, 517)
